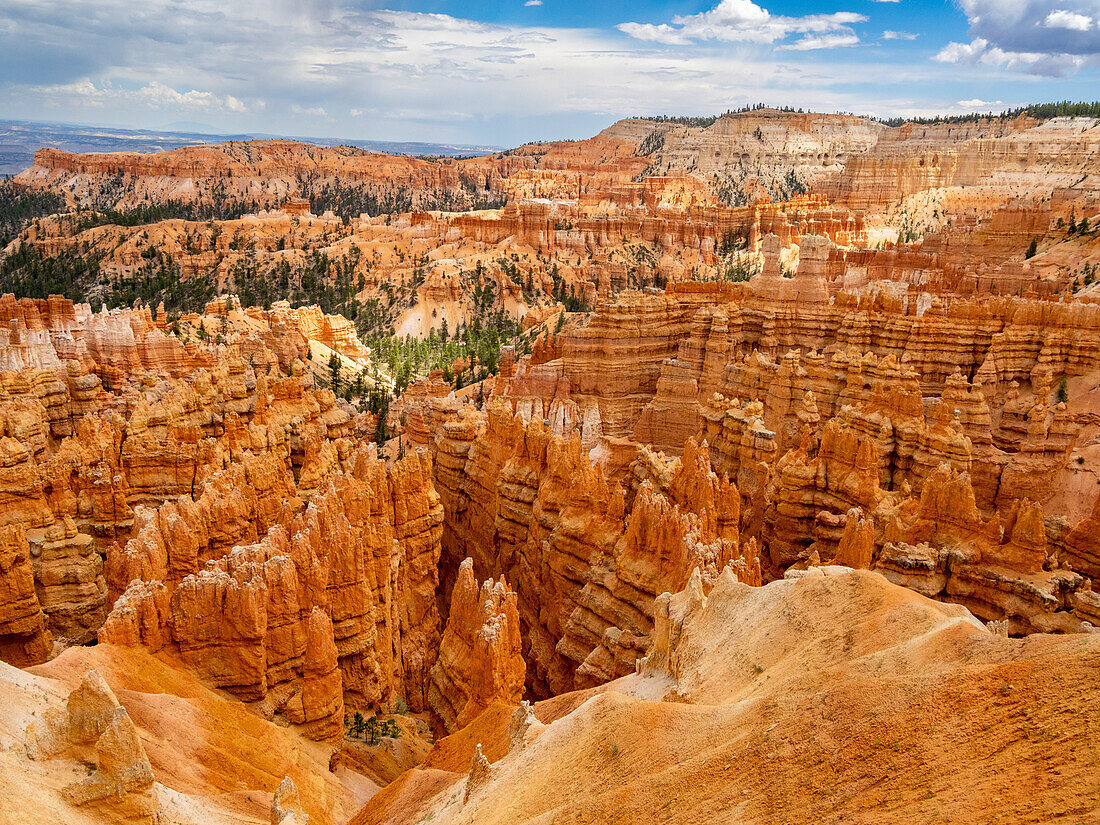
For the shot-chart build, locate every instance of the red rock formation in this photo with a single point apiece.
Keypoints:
(886, 408)
(479, 657)
(340, 593)
(992, 152)
(24, 638)
(857, 545)
(319, 707)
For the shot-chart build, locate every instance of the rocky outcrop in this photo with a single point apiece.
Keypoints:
(480, 660)
(1022, 153)
(286, 808)
(533, 508)
(121, 784)
(333, 603)
(766, 390)
(86, 463)
(24, 637)
(586, 566)
(737, 667)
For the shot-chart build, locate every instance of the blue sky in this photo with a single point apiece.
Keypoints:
(506, 72)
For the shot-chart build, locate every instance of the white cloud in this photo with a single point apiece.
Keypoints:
(822, 41)
(977, 103)
(156, 95)
(981, 52)
(893, 35)
(1041, 37)
(1062, 19)
(745, 21)
(963, 52)
(533, 3)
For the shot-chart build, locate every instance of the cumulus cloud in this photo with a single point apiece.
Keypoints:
(1062, 19)
(533, 3)
(893, 35)
(981, 52)
(349, 66)
(745, 21)
(1044, 37)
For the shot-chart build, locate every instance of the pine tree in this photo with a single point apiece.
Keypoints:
(374, 729)
(334, 364)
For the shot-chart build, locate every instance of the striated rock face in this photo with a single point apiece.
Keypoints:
(764, 144)
(95, 439)
(1082, 545)
(24, 638)
(532, 506)
(260, 170)
(831, 409)
(772, 410)
(1022, 153)
(585, 566)
(480, 659)
(319, 707)
(615, 361)
(319, 611)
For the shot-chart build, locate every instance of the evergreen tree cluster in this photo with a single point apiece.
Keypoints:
(348, 201)
(28, 274)
(18, 207)
(371, 730)
(703, 121)
(143, 214)
(1039, 111)
(566, 295)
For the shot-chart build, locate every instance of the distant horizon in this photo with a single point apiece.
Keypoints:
(209, 131)
(502, 74)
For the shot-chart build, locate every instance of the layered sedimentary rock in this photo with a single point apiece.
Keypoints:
(111, 427)
(479, 656)
(24, 637)
(299, 609)
(820, 403)
(585, 568)
(1023, 152)
(758, 151)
